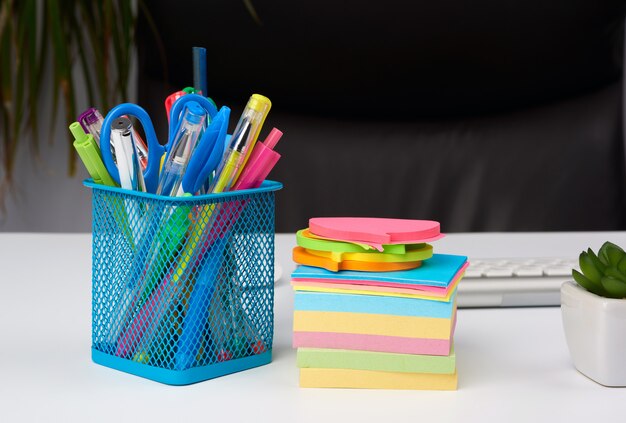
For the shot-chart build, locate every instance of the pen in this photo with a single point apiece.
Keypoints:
(141, 148)
(261, 162)
(141, 321)
(123, 141)
(241, 144)
(182, 147)
(91, 121)
(89, 153)
(131, 175)
(169, 102)
(166, 248)
(144, 278)
(199, 303)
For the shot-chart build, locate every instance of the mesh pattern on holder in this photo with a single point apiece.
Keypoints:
(183, 283)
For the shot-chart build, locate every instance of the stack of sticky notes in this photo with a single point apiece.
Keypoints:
(374, 307)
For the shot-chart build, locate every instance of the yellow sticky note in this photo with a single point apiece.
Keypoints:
(372, 379)
(372, 324)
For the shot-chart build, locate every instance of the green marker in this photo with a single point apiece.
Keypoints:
(89, 153)
(166, 247)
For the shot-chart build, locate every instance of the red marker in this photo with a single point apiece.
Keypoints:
(169, 101)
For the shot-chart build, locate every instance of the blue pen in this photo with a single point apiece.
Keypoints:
(198, 311)
(179, 105)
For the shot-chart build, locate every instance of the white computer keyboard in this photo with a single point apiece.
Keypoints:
(514, 282)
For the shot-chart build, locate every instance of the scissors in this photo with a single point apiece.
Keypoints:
(205, 158)
(155, 150)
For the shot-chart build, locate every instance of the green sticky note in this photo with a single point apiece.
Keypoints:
(368, 360)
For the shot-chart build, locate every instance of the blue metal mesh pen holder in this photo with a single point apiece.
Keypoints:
(183, 288)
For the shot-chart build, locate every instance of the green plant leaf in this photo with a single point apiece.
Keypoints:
(588, 268)
(615, 288)
(252, 11)
(119, 52)
(596, 261)
(100, 35)
(21, 60)
(86, 67)
(6, 92)
(62, 64)
(94, 23)
(610, 254)
(587, 284)
(621, 266)
(615, 273)
(33, 82)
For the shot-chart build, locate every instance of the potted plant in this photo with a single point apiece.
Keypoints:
(594, 315)
(77, 53)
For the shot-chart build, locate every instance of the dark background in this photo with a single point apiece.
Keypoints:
(484, 115)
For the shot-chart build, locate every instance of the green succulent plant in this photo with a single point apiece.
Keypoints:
(603, 274)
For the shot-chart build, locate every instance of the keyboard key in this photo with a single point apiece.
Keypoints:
(473, 273)
(558, 271)
(498, 273)
(521, 281)
(528, 272)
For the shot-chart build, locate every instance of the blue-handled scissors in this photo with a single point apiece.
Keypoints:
(155, 150)
(205, 158)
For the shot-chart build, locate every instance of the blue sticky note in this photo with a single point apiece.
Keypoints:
(354, 303)
(437, 271)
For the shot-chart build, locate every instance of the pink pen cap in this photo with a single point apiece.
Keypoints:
(261, 162)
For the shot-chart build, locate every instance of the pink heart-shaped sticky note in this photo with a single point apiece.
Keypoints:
(376, 230)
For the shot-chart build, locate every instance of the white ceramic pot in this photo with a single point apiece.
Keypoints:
(595, 330)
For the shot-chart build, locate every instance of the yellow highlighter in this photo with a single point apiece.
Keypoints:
(241, 144)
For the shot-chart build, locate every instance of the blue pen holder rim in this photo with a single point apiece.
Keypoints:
(197, 374)
(266, 186)
(180, 377)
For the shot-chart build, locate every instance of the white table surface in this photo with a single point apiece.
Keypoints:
(513, 364)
